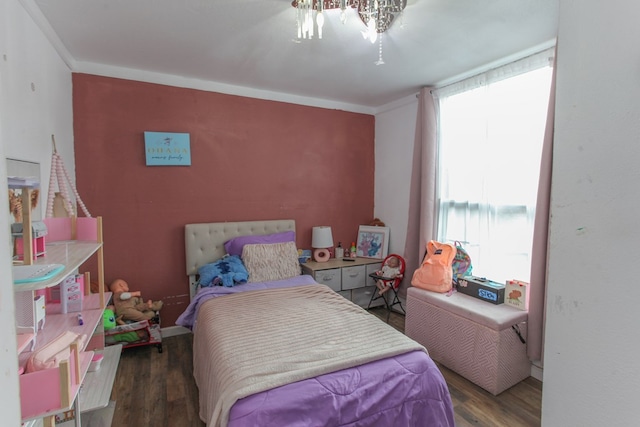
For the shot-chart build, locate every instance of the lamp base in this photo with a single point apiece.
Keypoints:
(321, 255)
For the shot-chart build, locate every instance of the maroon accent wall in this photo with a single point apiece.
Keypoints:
(251, 159)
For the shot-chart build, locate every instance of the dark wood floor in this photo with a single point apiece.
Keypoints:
(157, 389)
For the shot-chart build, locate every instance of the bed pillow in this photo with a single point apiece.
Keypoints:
(234, 246)
(268, 262)
(226, 271)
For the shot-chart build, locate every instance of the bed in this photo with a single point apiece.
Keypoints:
(287, 351)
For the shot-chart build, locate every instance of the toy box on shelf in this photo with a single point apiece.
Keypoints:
(517, 294)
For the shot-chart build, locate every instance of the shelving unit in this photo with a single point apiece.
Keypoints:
(68, 386)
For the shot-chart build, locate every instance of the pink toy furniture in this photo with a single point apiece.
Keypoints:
(484, 343)
(38, 245)
(47, 392)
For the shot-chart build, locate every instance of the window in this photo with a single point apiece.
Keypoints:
(491, 129)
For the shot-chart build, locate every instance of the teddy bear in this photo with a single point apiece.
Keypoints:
(129, 305)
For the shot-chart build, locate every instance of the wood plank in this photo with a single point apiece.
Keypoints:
(97, 386)
(164, 383)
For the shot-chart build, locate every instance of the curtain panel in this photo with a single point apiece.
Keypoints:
(538, 280)
(422, 223)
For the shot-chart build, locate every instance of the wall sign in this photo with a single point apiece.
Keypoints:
(167, 149)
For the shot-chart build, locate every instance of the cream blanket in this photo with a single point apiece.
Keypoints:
(254, 341)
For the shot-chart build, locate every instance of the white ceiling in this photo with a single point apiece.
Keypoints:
(251, 44)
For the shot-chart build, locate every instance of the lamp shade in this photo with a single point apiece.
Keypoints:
(322, 237)
(321, 240)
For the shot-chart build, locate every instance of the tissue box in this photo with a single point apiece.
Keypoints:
(517, 294)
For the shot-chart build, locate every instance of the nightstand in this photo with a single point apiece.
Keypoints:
(348, 278)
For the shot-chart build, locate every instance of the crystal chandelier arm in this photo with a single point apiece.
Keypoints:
(377, 15)
(320, 19)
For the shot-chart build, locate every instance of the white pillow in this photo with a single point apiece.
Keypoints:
(273, 261)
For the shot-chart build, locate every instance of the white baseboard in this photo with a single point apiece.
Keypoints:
(172, 331)
(536, 371)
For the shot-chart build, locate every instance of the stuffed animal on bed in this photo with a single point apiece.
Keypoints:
(226, 271)
(130, 305)
(109, 321)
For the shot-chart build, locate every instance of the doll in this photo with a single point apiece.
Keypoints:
(129, 305)
(390, 270)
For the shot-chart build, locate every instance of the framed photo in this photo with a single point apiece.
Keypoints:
(167, 149)
(373, 242)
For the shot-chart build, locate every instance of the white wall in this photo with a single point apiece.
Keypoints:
(395, 135)
(592, 372)
(591, 368)
(35, 102)
(9, 401)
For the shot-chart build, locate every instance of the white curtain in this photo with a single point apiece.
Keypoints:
(488, 172)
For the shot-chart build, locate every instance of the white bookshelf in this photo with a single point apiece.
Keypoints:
(69, 386)
(97, 385)
(69, 253)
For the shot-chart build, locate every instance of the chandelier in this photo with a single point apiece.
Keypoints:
(377, 15)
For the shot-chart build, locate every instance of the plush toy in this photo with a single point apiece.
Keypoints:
(130, 305)
(376, 222)
(226, 271)
(109, 321)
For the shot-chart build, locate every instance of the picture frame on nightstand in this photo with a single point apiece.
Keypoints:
(373, 242)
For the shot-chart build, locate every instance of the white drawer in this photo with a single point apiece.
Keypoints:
(331, 278)
(372, 268)
(353, 277)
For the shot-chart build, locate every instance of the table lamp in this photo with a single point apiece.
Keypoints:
(321, 241)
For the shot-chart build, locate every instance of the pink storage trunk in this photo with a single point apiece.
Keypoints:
(471, 337)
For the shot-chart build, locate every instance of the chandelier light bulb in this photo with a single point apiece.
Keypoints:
(307, 28)
(320, 22)
(372, 33)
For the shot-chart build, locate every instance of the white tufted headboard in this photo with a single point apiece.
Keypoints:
(204, 243)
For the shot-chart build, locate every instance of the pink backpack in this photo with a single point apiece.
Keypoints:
(435, 274)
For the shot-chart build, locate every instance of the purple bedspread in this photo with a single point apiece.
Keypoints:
(405, 390)
(410, 392)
